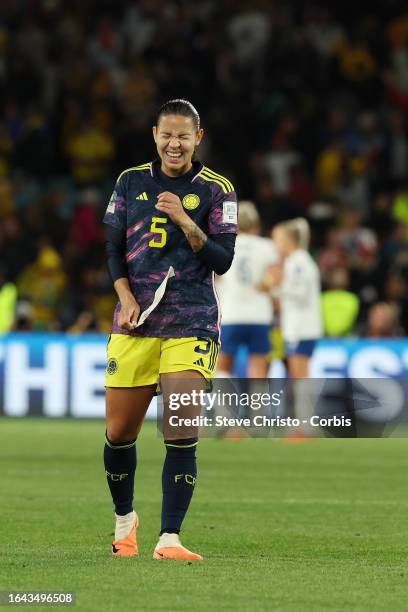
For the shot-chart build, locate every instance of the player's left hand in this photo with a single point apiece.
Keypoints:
(170, 204)
(272, 278)
(275, 273)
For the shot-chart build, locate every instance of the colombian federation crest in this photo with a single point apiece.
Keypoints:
(112, 367)
(191, 201)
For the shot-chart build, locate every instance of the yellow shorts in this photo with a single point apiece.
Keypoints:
(135, 361)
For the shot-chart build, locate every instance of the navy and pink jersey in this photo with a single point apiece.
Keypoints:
(154, 243)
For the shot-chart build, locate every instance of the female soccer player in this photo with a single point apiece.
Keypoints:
(299, 294)
(297, 285)
(172, 223)
(247, 312)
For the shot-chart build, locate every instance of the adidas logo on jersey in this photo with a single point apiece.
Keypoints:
(142, 196)
(199, 362)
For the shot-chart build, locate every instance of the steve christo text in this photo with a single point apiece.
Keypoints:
(257, 421)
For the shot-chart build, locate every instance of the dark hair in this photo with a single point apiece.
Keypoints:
(179, 107)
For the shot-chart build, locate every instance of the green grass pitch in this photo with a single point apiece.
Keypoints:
(314, 526)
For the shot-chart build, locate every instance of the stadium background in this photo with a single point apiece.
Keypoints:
(305, 110)
(305, 106)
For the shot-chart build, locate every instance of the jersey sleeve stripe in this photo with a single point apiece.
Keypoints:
(210, 179)
(215, 174)
(141, 167)
(220, 177)
(227, 187)
(209, 176)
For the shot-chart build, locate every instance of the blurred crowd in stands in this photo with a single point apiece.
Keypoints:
(305, 105)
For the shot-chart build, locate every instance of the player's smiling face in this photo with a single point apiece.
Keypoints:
(176, 138)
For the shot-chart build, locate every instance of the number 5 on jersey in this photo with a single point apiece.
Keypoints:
(160, 231)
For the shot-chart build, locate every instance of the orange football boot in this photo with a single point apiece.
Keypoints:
(175, 553)
(128, 546)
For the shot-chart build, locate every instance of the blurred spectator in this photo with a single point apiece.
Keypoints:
(86, 322)
(359, 243)
(329, 168)
(322, 30)
(396, 77)
(332, 256)
(380, 219)
(353, 187)
(6, 150)
(279, 163)
(400, 206)
(396, 294)
(249, 31)
(105, 46)
(382, 322)
(356, 62)
(16, 247)
(90, 151)
(301, 190)
(7, 203)
(8, 299)
(42, 284)
(24, 317)
(340, 306)
(397, 146)
(85, 227)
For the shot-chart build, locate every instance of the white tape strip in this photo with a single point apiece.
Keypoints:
(158, 296)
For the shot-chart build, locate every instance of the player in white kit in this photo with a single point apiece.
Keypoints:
(247, 312)
(297, 284)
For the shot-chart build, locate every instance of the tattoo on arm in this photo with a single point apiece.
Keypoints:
(195, 236)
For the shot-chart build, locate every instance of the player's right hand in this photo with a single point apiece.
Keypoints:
(128, 314)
